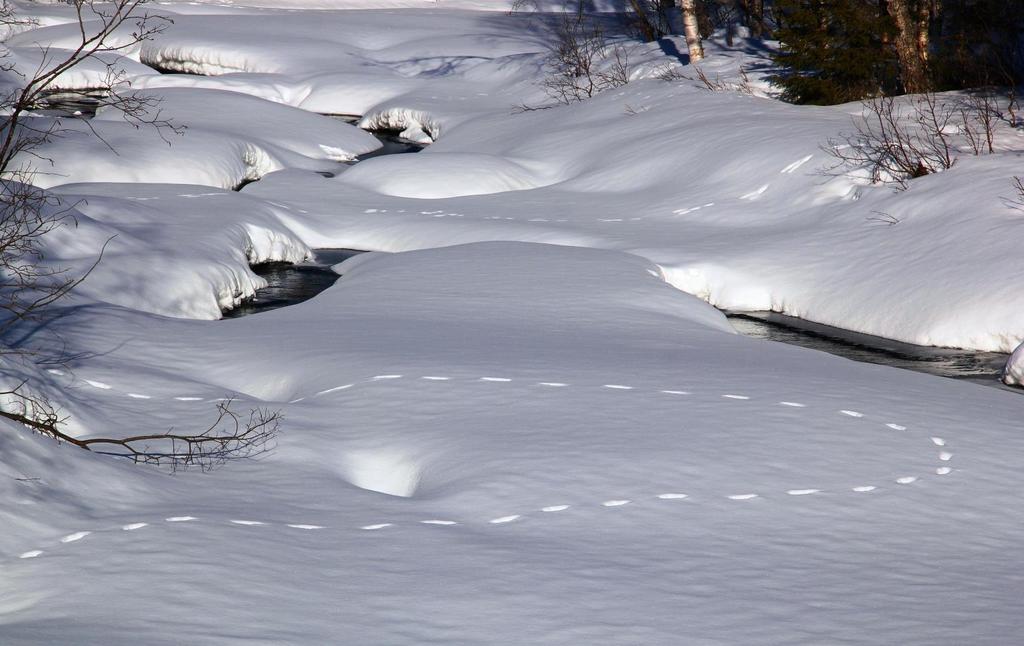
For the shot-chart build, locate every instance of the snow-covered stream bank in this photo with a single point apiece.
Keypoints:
(527, 424)
(291, 284)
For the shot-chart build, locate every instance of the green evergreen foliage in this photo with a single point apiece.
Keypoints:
(834, 51)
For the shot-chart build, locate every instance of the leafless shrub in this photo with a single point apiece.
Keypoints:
(705, 82)
(632, 111)
(1018, 187)
(28, 284)
(899, 141)
(897, 145)
(979, 115)
(672, 74)
(1012, 108)
(582, 62)
(28, 213)
(230, 437)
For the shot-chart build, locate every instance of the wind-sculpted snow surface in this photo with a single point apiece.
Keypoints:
(510, 428)
(225, 139)
(179, 250)
(487, 440)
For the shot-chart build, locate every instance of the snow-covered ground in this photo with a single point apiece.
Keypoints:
(530, 426)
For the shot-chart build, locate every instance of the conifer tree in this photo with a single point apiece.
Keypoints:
(834, 51)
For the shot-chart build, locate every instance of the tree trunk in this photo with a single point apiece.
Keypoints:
(643, 21)
(691, 30)
(926, 9)
(911, 42)
(754, 12)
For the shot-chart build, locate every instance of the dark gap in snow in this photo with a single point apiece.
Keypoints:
(166, 70)
(392, 145)
(984, 368)
(289, 284)
(79, 104)
(391, 140)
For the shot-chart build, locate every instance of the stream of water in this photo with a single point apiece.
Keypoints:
(291, 284)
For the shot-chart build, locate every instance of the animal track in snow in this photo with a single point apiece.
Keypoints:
(335, 389)
(753, 195)
(77, 536)
(691, 209)
(803, 492)
(797, 164)
(944, 457)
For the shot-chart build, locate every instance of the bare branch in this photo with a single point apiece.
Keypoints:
(230, 436)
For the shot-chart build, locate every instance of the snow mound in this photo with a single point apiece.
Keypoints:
(1013, 374)
(278, 128)
(414, 125)
(442, 175)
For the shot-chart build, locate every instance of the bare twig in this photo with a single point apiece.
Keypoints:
(230, 436)
(897, 145)
(582, 62)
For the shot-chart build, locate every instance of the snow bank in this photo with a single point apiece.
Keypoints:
(276, 128)
(189, 247)
(509, 413)
(215, 146)
(1013, 374)
(519, 410)
(98, 71)
(414, 125)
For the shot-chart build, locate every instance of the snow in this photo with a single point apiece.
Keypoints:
(520, 420)
(1014, 373)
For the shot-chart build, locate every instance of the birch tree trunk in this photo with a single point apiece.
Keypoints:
(691, 30)
(912, 41)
